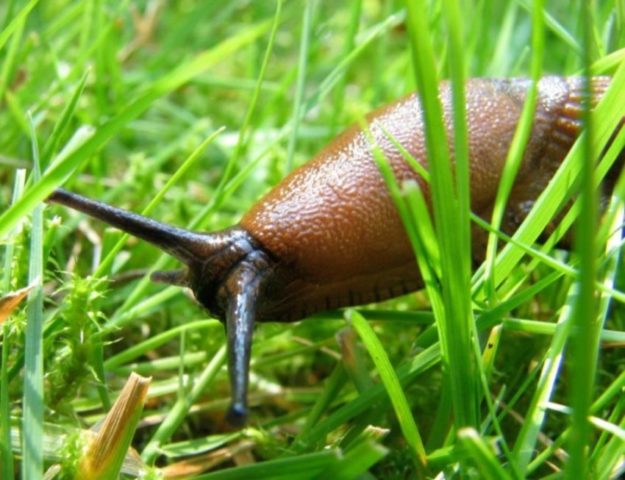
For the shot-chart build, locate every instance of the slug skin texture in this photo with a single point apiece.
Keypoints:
(332, 225)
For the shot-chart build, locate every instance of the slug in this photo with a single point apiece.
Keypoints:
(328, 235)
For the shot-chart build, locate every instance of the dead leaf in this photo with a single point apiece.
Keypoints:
(11, 300)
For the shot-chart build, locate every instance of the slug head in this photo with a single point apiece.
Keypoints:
(227, 279)
(226, 271)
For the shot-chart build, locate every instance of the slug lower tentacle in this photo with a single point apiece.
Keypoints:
(243, 290)
(328, 235)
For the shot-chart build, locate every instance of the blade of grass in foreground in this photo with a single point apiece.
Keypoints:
(426, 251)
(61, 170)
(525, 444)
(583, 355)
(32, 419)
(461, 145)
(391, 383)
(606, 458)
(6, 457)
(456, 325)
(517, 147)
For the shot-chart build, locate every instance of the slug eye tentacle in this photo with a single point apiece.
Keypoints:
(243, 288)
(188, 247)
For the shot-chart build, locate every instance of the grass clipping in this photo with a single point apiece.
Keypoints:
(105, 452)
(10, 301)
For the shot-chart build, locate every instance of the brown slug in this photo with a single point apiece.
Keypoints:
(328, 235)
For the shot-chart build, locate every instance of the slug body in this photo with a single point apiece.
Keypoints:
(329, 236)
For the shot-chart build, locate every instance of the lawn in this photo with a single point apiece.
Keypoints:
(189, 112)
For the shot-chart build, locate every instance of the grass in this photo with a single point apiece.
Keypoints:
(191, 111)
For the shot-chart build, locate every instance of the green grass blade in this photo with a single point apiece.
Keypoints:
(525, 444)
(585, 333)
(245, 125)
(51, 145)
(391, 383)
(18, 112)
(517, 147)
(481, 455)
(456, 326)
(457, 67)
(15, 22)
(302, 467)
(609, 463)
(9, 65)
(406, 373)
(157, 340)
(54, 176)
(349, 45)
(301, 80)
(333, 385)
(33, 401)
(18, 189)
(6, 458)
(556, 27)
(181, 408)
(500, 62)
(356, 461)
